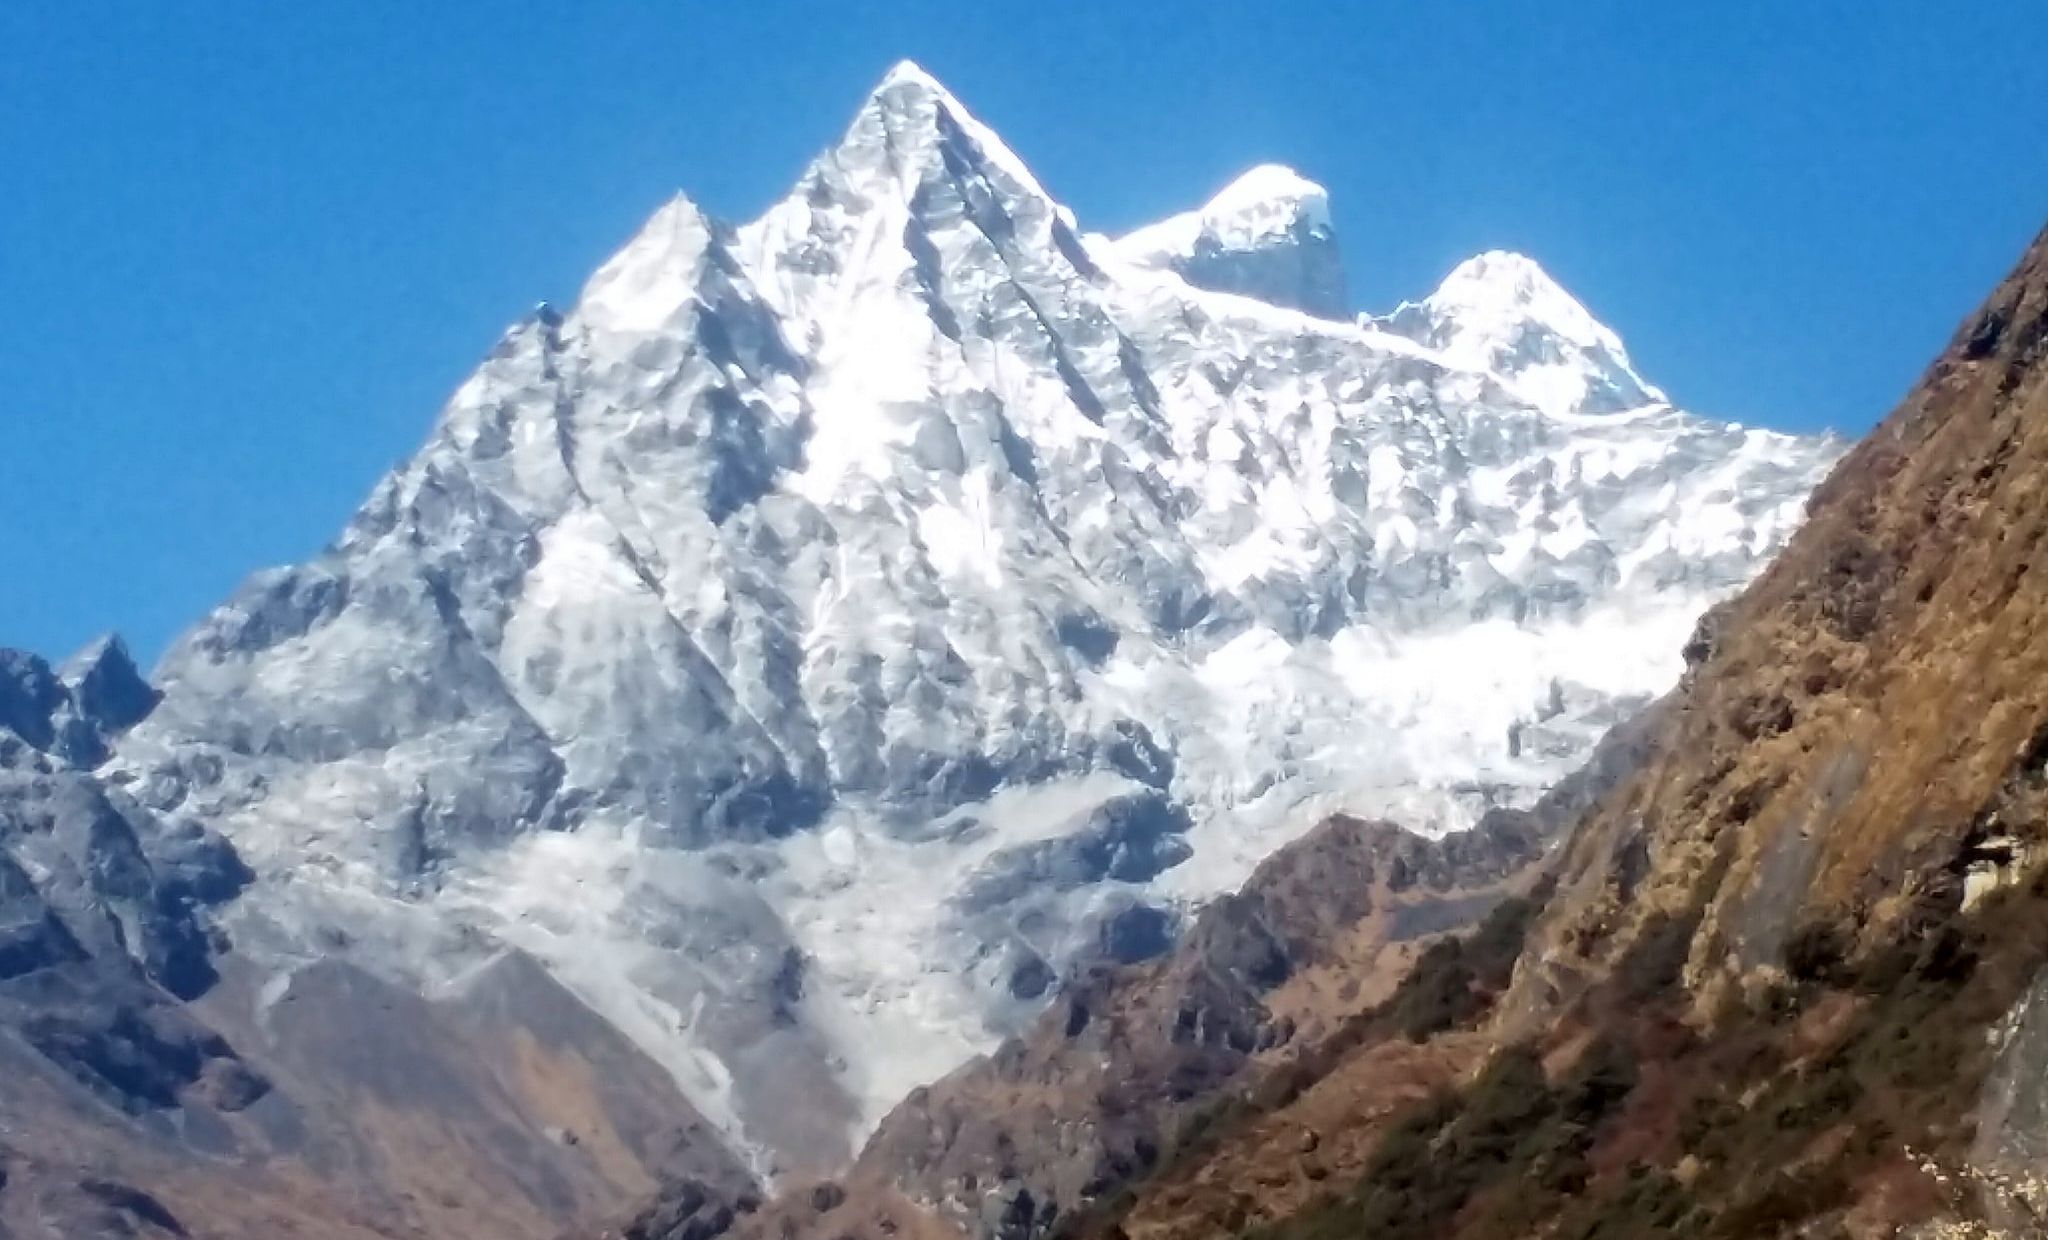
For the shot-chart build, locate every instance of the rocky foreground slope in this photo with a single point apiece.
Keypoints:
(1787, 976)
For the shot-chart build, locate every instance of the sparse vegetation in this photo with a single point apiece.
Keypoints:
(1512, 1129)
(1751, 1131)
(1453, 984)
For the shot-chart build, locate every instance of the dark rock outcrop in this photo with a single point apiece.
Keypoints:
(74, 711)
(102, 905)
(685, 1209)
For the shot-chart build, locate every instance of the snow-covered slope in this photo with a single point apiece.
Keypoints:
(828, 629)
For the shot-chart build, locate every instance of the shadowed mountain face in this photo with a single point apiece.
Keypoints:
(831, 632)
(102, 905)
(157, 1085)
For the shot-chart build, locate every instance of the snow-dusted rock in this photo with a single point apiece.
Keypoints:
(1502, 313)
(1266, 235)
(826, 618)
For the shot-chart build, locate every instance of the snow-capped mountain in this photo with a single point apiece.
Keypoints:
(1266, 235)
(827, 630)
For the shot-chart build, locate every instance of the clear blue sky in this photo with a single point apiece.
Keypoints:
(246, 248)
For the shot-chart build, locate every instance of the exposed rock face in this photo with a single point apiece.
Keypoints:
(829, 632)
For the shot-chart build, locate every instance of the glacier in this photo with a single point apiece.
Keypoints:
(828, 631)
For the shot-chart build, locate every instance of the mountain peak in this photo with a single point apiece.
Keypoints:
(1501, 312)
(912, 151)
(647, 284)
(1267, 202)
(108, 649)
(1511, 264)
(1266, 235)
(908, 118)
(1268, 191)
(106, 687)
(1506, 284)
(907, 72)
(908, 88)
